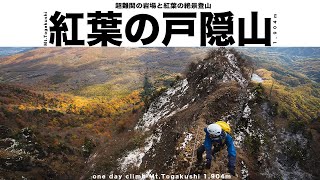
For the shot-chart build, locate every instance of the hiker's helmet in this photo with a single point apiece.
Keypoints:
(214, 130)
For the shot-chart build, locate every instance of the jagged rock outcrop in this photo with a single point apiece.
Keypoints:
(216, 88)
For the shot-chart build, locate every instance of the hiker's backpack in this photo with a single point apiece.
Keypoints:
(224, 126)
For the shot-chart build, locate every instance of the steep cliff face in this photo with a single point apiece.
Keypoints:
(216, 88)
(213, 89)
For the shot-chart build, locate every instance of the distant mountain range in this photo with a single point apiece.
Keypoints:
(6, 51)
(287, 51)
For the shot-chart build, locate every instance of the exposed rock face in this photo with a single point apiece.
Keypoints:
(212, 90)
(222, 66)
(216, 88)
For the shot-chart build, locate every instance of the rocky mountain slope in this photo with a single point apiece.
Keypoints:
(219, 88)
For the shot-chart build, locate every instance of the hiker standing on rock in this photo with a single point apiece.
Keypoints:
(216, 135)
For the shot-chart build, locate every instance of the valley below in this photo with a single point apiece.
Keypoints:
(74, 113)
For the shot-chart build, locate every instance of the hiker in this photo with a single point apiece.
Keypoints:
(217, 137)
